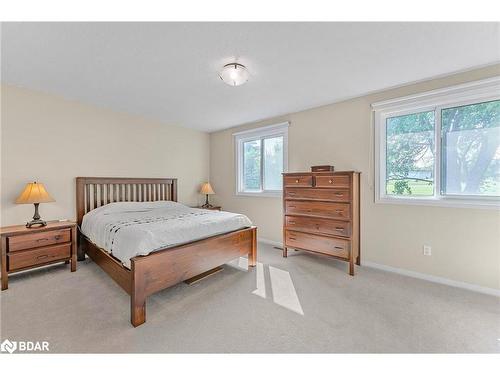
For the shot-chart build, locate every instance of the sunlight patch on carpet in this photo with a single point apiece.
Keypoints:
(284, 293)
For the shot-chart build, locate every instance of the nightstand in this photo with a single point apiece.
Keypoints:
(215, 208)
(24, 248)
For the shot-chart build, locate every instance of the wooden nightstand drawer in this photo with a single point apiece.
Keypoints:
(29, 258)
(33, 240)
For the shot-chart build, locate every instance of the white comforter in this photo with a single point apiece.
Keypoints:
(128, 229)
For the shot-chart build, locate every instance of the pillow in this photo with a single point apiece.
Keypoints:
(122, 207)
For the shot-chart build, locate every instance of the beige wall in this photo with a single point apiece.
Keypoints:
(465, 242)
(53, 140)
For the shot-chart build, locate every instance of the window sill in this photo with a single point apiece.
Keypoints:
(445, 202)
(258, 195)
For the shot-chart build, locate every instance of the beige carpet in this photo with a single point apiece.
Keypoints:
(306, 303)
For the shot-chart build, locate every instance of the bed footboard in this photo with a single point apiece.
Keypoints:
(168, 267)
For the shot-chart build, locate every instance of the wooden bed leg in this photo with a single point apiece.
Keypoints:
(138, 309)
(80, 252)
(285, 252)
(252, 255)
(137, 298)
(351, 267)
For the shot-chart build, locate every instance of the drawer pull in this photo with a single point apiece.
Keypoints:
(296, 181)
(330, 181)
(339, 229)
(291, 206)
(292, 238)
(339, 211)
(339, 194)
(339, 247)
(58, 237)
(291, 222)
(42, 239)
(291, 193)
(42, 256)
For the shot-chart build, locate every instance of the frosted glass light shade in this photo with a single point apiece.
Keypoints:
(234, 74)
(34, 193)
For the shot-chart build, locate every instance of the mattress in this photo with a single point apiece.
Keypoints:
(129, 229)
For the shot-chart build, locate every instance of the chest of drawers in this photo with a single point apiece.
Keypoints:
(322, 214)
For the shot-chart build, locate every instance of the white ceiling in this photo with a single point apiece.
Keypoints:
(168, 71)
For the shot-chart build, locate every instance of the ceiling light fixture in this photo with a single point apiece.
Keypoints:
(234, 74)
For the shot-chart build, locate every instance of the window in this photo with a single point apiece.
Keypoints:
(470, 140)
(261, 158)
(410, 154)
(440, 147)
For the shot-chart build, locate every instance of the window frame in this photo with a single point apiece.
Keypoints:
(261, 134)
(436, 100)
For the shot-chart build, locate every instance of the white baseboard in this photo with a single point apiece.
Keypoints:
(417, 275)
(435, 279)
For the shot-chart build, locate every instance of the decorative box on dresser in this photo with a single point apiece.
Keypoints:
(321, 214)
(24, 248)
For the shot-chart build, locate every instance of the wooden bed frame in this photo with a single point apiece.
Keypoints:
(164, 268)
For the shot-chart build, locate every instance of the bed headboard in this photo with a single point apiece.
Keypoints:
(93, 192)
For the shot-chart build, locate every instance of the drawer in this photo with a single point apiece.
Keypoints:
(333, 181)
(342, 195)
(321, 244)
(305, 180)
(315, 225)
(323, 209)
(42, 255)
(33, 240)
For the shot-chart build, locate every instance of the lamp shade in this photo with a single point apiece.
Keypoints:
(207, 189)
(34, 193)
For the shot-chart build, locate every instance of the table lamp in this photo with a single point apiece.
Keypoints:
(207, 190)
(35, 193)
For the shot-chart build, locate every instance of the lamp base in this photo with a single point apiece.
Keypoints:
(207, 204)
(37, 222)
(36, 219)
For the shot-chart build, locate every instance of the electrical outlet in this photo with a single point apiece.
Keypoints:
(427, 250)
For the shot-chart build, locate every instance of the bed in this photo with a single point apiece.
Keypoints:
(149, 269)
